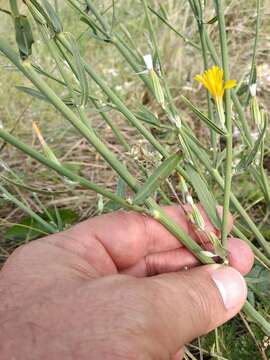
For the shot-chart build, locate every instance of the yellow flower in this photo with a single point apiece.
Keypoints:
(212, 79)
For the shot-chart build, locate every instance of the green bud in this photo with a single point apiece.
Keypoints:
(157, 88)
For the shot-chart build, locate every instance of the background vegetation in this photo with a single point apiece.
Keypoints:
(69, 204)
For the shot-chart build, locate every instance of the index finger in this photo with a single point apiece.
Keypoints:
(127, 237)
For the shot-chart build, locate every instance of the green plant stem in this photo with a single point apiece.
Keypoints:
(14, 8)
(54, 52)
(264, 179)
(63, 171)
(158, 214)
(159, 148)
(254, 248)
(106, 118)
(116, 100)
(119, 136)
(218, 178)
(254, 50)
(183, 37)
(129, 115)
(99, 17)
(245, 130)
(155, 211)
(204, 51)
(228, 118)
(254, 314)
(153, 37)
(28, 71)
(79, 125)
(51, 229)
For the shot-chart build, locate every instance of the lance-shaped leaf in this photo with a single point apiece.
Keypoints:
(205, 196)
(81, 74)
(54, 18)
(249, 158)
(32, 92)
(45, 15)
(158, 176)
(24, 36)
(147, 116)
(203, 117)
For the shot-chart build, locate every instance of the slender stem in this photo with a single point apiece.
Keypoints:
(258, 254)
(153, 37)
(118, 102)
(63, 171)
(228, 118)
(28, 71)
(158, 214)
(254, 314)
(204, 50)
(202, 156)
(54, 52)
(254, 51)
(119, 136)
(186, 39)
(79, 125)
(161, 149)
(99, 17)
(264, 179)
(219, 179)
(14, 8)
(155, 211)
(51, 229)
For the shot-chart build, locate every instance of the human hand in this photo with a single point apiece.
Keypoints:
(85, 293)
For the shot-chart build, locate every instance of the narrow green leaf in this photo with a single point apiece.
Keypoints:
(32, 92)
(249, 158)
(30, 229)
(52, 15)
(81, 74)
(33, 189)
(147, 116)
(157, 177)
(203, 117)
(205, 196)
(38, 13)
(24, 36)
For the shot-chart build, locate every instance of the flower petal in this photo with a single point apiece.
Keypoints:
(230, 84)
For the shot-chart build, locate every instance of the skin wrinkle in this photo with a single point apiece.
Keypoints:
(85, 251)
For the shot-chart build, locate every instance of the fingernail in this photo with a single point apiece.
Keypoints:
(231, 285)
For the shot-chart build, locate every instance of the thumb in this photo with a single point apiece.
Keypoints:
(192, 303)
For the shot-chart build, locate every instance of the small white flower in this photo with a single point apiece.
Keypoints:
(189, 199)
(148, 61)
(176, 121)
(253, 89)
